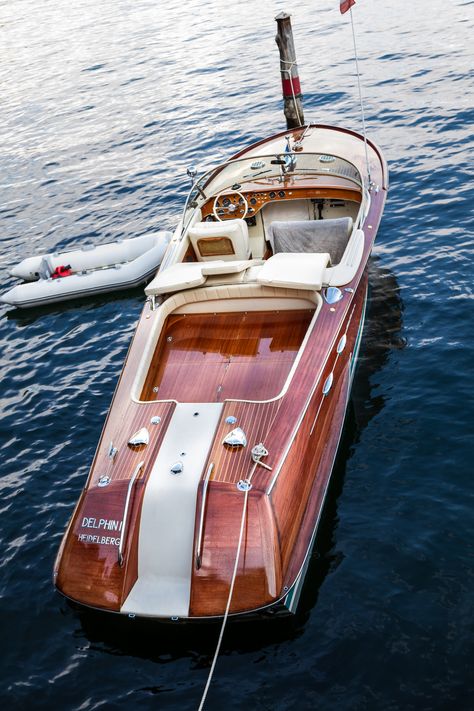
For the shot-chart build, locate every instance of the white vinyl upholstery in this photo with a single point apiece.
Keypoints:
(184, 275)
(346, 270)
(166, 538)
(234, 230)
(294, 270)
(218, 268)
(187, 275)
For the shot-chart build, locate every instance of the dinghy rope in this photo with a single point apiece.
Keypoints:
(244, 485)
(361, 102)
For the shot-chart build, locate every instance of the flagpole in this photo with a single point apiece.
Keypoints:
(360, 97)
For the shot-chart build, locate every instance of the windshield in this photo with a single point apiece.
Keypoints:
(285, 166)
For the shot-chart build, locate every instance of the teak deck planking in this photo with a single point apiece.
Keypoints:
(214, 357)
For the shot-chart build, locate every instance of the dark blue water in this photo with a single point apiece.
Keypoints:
(103, 106)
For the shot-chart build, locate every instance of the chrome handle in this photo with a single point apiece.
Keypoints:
(125, 511)
(203, 507)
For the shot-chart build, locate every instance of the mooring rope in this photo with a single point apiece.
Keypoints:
(231, 589)
(258, 452)
(360, 97)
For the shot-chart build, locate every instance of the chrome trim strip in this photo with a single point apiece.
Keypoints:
(125, 511)
(355, 353)
(203, 508)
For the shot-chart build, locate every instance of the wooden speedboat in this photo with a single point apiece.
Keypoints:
(216, 456)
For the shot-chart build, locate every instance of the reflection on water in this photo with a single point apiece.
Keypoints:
(103, 108)
(26, 317)
(382, 334)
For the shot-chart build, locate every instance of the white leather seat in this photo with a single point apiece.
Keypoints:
(295, 270)
(184, 275)
(188, 275)
(227, 240)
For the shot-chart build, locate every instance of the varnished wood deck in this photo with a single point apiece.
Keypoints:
(213, 357)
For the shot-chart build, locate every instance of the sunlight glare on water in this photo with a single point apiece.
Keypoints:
(104, 106)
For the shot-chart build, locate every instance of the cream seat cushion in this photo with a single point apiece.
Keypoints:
(187, 275)
(219, 267)
(294, 270)
(184, 275)
(235, 242)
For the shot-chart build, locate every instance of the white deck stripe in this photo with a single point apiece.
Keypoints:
(165, 547)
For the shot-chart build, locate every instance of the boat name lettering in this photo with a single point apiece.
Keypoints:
(109, 524)
(104, 540)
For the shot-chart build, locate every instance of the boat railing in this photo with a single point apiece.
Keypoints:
(125, 511)
(203, 510)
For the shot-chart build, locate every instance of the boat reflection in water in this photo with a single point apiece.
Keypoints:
(382, 335)
(209, 481)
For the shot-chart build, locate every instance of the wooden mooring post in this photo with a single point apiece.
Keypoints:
(290, 81)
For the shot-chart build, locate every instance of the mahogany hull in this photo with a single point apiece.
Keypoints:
(300, 425)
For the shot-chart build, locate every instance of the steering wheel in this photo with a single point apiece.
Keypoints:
(231, 207)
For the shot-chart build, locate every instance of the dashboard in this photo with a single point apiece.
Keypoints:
(234, 203)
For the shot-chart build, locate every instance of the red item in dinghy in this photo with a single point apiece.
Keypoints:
(63, 271)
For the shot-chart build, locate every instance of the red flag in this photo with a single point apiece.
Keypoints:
(346, 5)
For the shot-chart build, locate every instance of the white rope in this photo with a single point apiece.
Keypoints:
(231, 591)
(360, 97)
(288, 71)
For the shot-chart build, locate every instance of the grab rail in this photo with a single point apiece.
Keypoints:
(203, 506)
(125, 511)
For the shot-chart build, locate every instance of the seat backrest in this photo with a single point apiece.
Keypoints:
(227, 240)
(331, 235)
(295, 210)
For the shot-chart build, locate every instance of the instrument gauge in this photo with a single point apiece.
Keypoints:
(272, 195)
(226, 202)
(253, 201)
(281, 193)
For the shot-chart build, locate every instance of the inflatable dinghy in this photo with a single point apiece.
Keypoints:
(60, 276)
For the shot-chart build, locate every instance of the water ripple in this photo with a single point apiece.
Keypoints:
(103, 108)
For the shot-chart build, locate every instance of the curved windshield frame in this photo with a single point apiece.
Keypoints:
(250, 169)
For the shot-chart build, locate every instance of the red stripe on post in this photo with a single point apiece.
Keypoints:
(287, 85)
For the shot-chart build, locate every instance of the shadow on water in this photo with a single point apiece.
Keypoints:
(25, 317)
(382, 335)
(165, 642)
